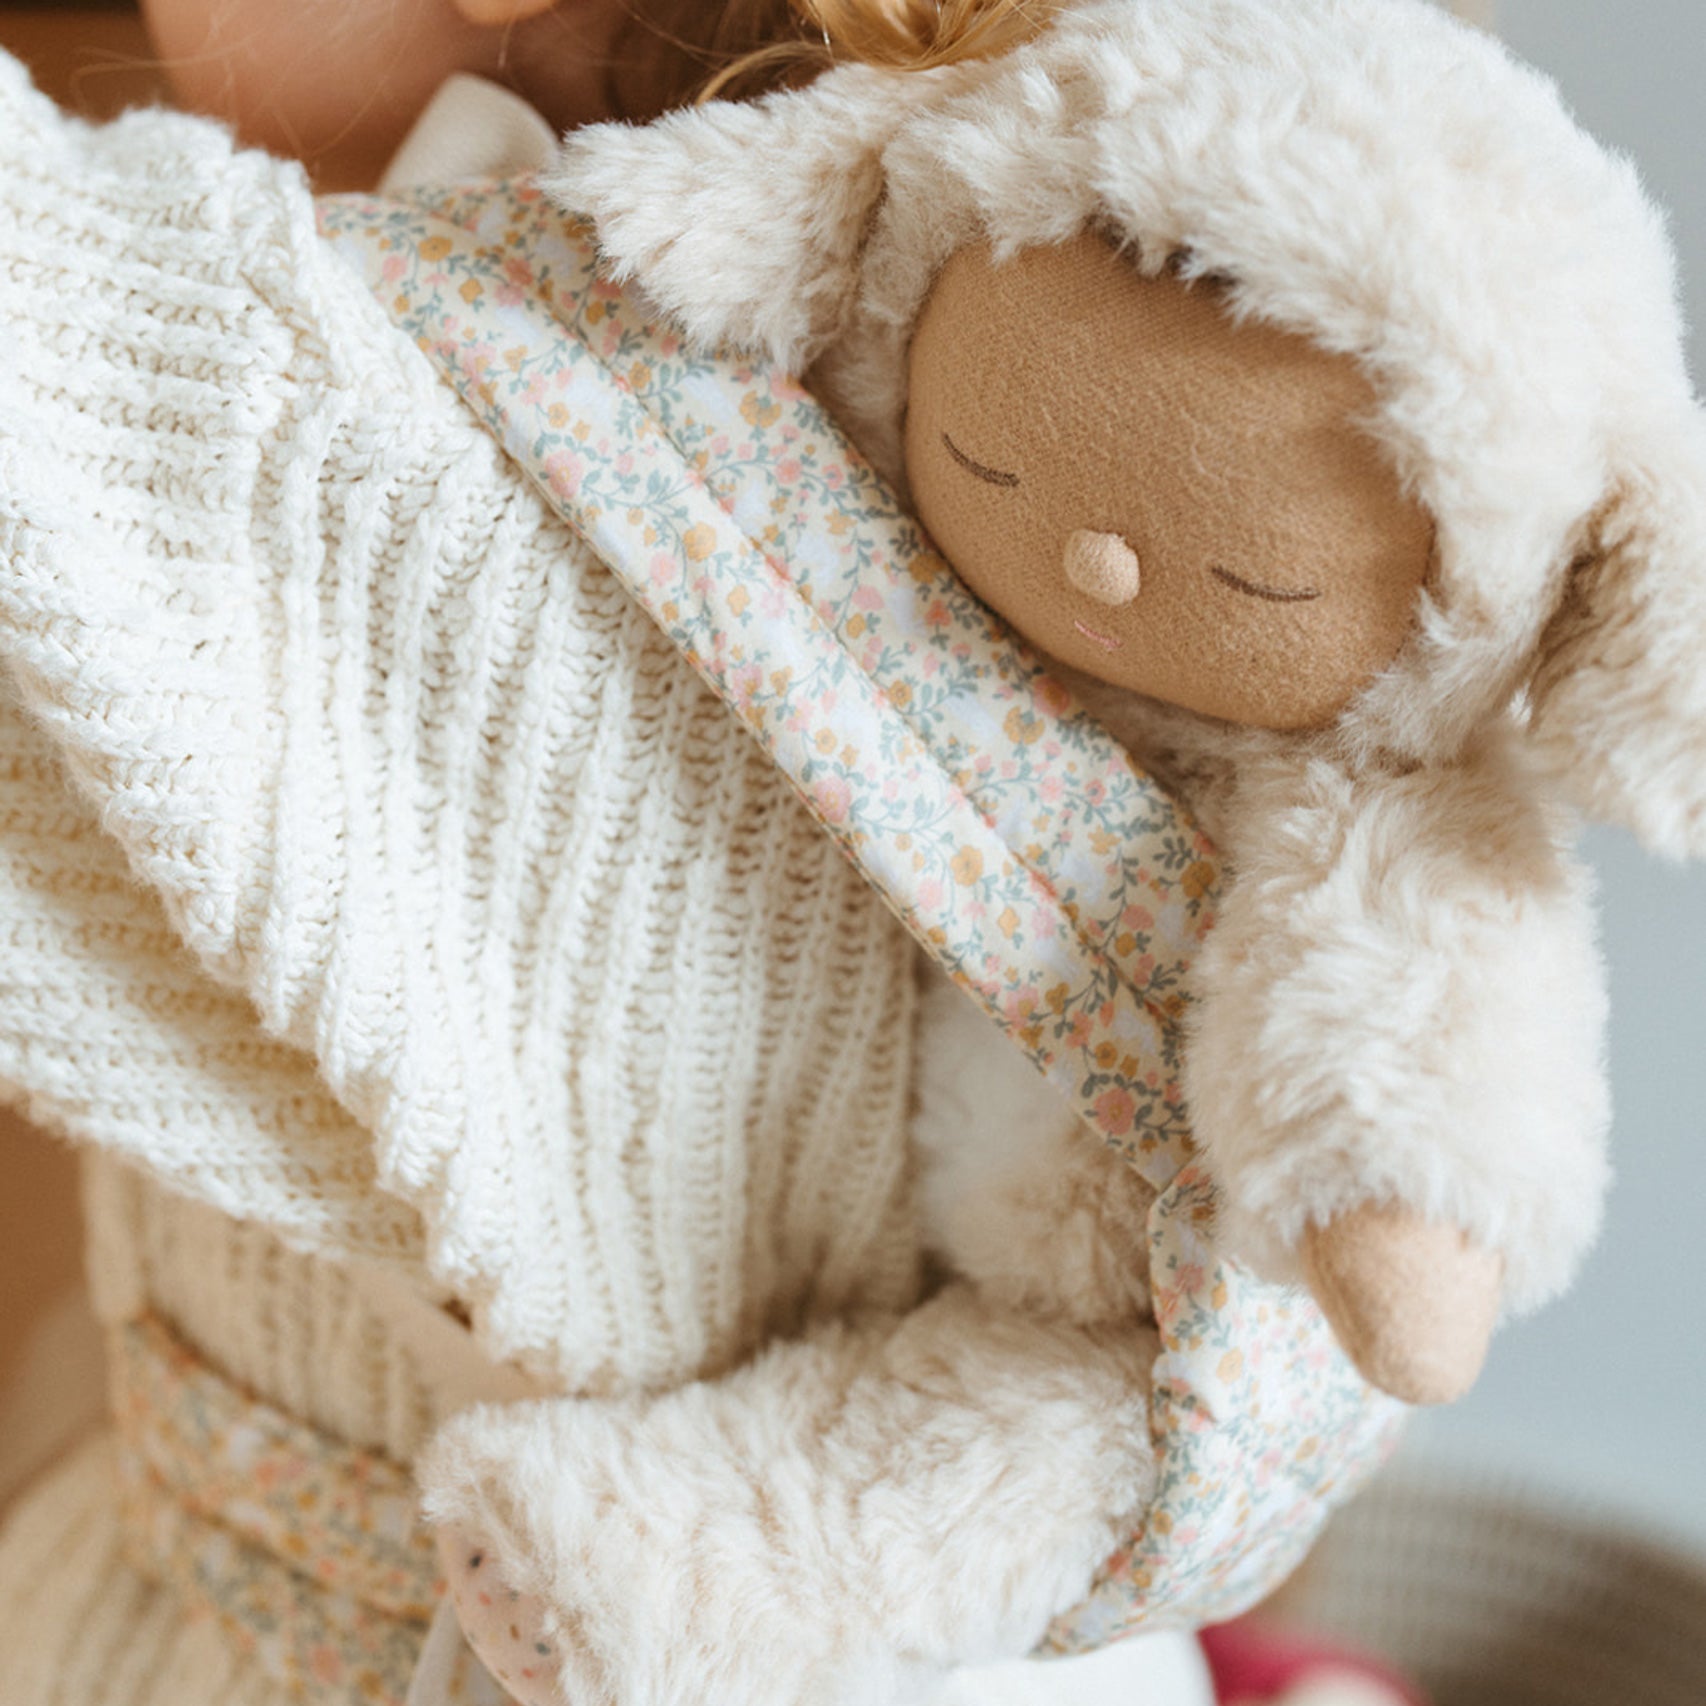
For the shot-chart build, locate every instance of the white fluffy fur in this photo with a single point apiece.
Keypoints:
(1402, 999)
(681, 208)
(1620, 697)
(839, 1523)
(1012, 1195)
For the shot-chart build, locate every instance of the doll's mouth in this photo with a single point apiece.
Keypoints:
(1106, 641)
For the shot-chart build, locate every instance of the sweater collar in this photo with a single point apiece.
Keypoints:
(472, 128)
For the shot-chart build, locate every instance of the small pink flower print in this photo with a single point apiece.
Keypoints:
(834, 798)
(1116, 1112)
(663, 568)
(788, 470)
(393, 269)
(868, 598)
(564, 471)
(325, 1664)
(929, 895)
(1137, 918)
(1052, 696)
(743, 689)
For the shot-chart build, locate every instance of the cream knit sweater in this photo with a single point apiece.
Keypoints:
(369, 868)
(381, 899)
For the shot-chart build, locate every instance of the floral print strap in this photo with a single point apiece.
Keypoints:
(1017, 840)
(308, 1551)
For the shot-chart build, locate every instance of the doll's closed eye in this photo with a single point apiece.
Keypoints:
(1254, 589)
(982, 470)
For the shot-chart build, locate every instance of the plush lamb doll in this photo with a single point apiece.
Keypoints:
(1302, 382)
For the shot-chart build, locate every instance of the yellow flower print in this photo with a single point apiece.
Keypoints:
(699, 541)
(967, 866)
(1023, 727)
(1198, 879)
(759, 412)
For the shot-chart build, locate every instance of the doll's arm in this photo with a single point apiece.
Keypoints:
(1396, 1067)
(834, 1523)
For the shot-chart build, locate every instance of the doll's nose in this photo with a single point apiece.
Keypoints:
(1103, 567)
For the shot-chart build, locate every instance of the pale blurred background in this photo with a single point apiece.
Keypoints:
(1603, 1396)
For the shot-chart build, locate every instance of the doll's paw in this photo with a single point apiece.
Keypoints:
(1412, 1302)
(840, 1522)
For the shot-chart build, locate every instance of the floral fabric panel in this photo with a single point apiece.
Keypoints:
(309, 1552)
(1016, 839)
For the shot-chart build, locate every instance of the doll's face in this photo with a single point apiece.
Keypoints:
(1158, 496)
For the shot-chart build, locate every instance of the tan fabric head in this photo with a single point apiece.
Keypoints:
(1155, 494)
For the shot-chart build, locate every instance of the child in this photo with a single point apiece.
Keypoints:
(517, 985)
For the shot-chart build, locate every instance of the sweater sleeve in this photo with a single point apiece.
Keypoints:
(406, 771)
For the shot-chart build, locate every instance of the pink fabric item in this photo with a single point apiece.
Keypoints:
(505, 1628)
(1254, 1662)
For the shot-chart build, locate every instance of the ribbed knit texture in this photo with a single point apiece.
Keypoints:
(403, 768)
(327, 1342)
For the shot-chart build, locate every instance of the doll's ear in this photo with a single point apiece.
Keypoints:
(1619, 698)
(743, 222)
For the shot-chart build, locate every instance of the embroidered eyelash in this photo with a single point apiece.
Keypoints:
(993, 475)
(1273, 594)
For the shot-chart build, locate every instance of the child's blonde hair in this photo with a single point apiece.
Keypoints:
(742, 47)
